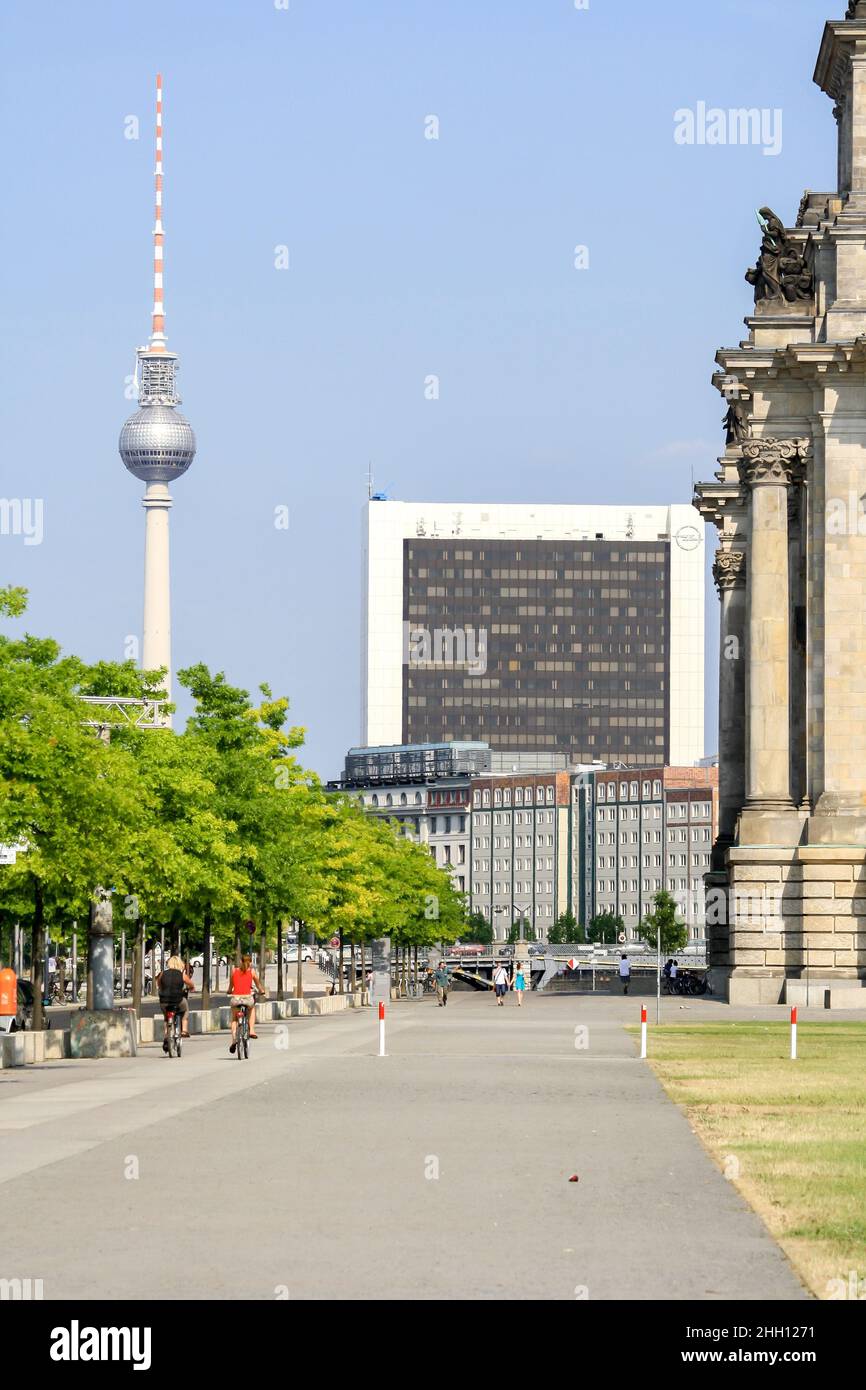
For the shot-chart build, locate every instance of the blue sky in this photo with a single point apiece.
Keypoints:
(408, 257)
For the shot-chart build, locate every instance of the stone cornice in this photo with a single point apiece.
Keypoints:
(839, 38)
(729, 569)
(721, 504)
(773, 462)
(800, 361)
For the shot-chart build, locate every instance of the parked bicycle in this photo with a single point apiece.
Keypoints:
(688, 983)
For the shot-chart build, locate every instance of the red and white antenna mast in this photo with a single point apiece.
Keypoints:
(157, 336)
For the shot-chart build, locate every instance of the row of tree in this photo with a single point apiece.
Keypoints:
(604, 927)
(200, 831)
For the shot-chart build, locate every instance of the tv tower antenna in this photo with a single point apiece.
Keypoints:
(157, 444)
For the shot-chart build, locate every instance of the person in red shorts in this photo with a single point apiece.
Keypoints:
(243, 981)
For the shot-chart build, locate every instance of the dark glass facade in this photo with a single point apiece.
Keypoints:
(539, 644)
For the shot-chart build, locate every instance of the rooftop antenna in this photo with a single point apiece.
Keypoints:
(157, 336)
(369, 480)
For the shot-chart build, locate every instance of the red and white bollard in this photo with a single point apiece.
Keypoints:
(381, 1030)
(643, 1030)
(794, 1033)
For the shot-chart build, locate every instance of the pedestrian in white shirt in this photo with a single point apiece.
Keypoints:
(500, 983)
(624, 972)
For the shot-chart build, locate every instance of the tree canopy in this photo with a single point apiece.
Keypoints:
(218, 822)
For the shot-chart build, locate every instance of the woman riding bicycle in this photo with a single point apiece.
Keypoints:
(172, 984)
(244, 979)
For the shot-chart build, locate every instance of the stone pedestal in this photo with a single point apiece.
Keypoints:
(103, 1033)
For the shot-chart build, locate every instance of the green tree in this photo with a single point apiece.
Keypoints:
(605, 927)
(69, 797)
(566, 929)
(478, 929)
(662, 924)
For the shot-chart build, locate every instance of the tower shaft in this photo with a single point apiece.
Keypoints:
(156, 636)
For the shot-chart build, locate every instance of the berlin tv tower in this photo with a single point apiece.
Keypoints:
(157, 444)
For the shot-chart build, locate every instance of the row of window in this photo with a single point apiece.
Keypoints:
(504, 841)
(541, 910)
(458, 857)
(542, 886)
(646, 791)
(522, 796)
(520, 818)
(625, 861)
(677, 810)
(388, 800)
(649, 886)
(447, 825)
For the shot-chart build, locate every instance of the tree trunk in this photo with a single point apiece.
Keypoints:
(263, 955)
(299, 988)
(36, 957)
(206, 962)
(281, 989)
(237, 948)
(353, 975)
(415, 975)
(138, 967)
(342, 979)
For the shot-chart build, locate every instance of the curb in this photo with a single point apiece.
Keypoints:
(29, 1049)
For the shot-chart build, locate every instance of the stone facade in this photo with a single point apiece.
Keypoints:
(786, 898)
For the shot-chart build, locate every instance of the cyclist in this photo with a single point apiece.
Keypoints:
(243, 981)
(172, 984)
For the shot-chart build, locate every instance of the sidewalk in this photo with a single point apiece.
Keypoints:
(440, 1171)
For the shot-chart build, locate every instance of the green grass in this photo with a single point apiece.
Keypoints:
(790, 1135)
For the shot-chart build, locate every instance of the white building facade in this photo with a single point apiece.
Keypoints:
(567, 629)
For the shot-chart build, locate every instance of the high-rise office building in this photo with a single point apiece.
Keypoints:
(567, 629)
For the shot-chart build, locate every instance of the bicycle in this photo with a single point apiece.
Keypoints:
(242, 1036)
(175, 1035)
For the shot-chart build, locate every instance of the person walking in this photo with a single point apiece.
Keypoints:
(672, 978)
(667, 974)
(519, 984)
(443, 982)
(500, 983)
(624, 972)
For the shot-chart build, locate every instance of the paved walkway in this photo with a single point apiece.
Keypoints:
(438, 1172)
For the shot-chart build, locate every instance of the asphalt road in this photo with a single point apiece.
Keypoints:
(319, 1170)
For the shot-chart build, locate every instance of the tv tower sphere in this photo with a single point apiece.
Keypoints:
(157, 445)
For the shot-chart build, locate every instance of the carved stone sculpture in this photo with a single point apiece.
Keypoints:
(781, 271)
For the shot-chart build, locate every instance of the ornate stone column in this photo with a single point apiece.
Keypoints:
(729, 572)
(768, 468)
